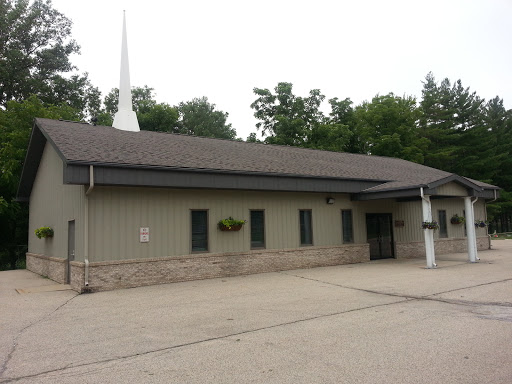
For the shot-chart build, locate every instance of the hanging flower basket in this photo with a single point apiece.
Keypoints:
(480, 224)
(43, 232)
(456, 219)
(430, 225)
(231, 224)
(233, 228)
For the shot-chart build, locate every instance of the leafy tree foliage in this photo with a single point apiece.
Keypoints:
(15, 126)
(35, 47)
(388, 126)
(287, 119)
(199, 117)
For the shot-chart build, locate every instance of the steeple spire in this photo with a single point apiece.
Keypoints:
(125, 118)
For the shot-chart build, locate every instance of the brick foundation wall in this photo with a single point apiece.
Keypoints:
(51, 267)
(441, 246)
(134, 273)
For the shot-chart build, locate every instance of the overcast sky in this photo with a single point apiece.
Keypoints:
(223, 49)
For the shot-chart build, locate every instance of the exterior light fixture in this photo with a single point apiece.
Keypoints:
(330, 200)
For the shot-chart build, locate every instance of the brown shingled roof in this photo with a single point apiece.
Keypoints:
(80, 143)
(98, 144)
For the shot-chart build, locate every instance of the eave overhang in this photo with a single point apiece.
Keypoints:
(406, 194)
(145, 176)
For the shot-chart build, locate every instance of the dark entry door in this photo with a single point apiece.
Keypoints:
(380, 235)
(71, 249)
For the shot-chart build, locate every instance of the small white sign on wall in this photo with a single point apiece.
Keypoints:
(144, 234)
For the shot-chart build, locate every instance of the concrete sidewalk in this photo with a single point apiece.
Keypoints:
(387, 321)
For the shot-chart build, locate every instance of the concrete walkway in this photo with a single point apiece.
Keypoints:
(388, 321)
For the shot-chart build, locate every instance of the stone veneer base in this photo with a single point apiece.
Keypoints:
(52, 267)
(110, 275)
(441, 247)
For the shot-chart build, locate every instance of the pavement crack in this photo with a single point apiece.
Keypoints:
(192, 343)
(414, 297)
(14, 345)
(471, 286)
(396, 295)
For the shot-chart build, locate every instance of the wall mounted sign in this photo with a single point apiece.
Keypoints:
(144, 234)
(399, 223)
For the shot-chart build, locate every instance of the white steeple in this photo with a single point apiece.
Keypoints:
(125, 118)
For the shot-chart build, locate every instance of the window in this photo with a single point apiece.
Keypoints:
(199, 231)
(346, 225)
(464, 225)
(257, 229)
(443, 229)
(306, 231)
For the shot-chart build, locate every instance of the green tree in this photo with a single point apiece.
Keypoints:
(16, 122)
(252, 138)
(388, 126)
(498, 127)
(287, 119)
(35, 46)
(342, 112)
(437, 123)
(199, 117)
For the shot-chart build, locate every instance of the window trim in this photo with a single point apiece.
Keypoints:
(312, 234)
(207, 230)
(343, 227)
(264, 246)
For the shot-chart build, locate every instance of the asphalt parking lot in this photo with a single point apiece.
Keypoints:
(387, 321)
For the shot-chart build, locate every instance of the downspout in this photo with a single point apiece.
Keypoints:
(429, 236)
(492, 201)
(86, 225)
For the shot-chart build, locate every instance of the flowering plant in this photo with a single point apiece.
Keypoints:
(430, 225)
(456, 219)
(480, 223)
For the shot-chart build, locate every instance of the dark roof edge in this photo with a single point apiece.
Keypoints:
(36, 144)
(48, 138)
(396, 193)
(135, 177)
(457, 179)
(216, 171)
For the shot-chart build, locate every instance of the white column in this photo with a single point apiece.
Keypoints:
(428, 233)
(470, 229)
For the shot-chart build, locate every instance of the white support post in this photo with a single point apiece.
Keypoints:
(428, 233)
(470, 229)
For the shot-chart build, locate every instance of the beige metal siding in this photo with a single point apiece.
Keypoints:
(53, 204)
(116, 215)
(452, 189)
(412, 215)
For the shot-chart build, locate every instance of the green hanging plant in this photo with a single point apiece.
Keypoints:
(430, 225)
(44, 232)
(456, 219)
(231, 224)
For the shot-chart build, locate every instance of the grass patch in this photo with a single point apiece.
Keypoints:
(502, 236)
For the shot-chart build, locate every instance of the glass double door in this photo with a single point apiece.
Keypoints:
(379, 231)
